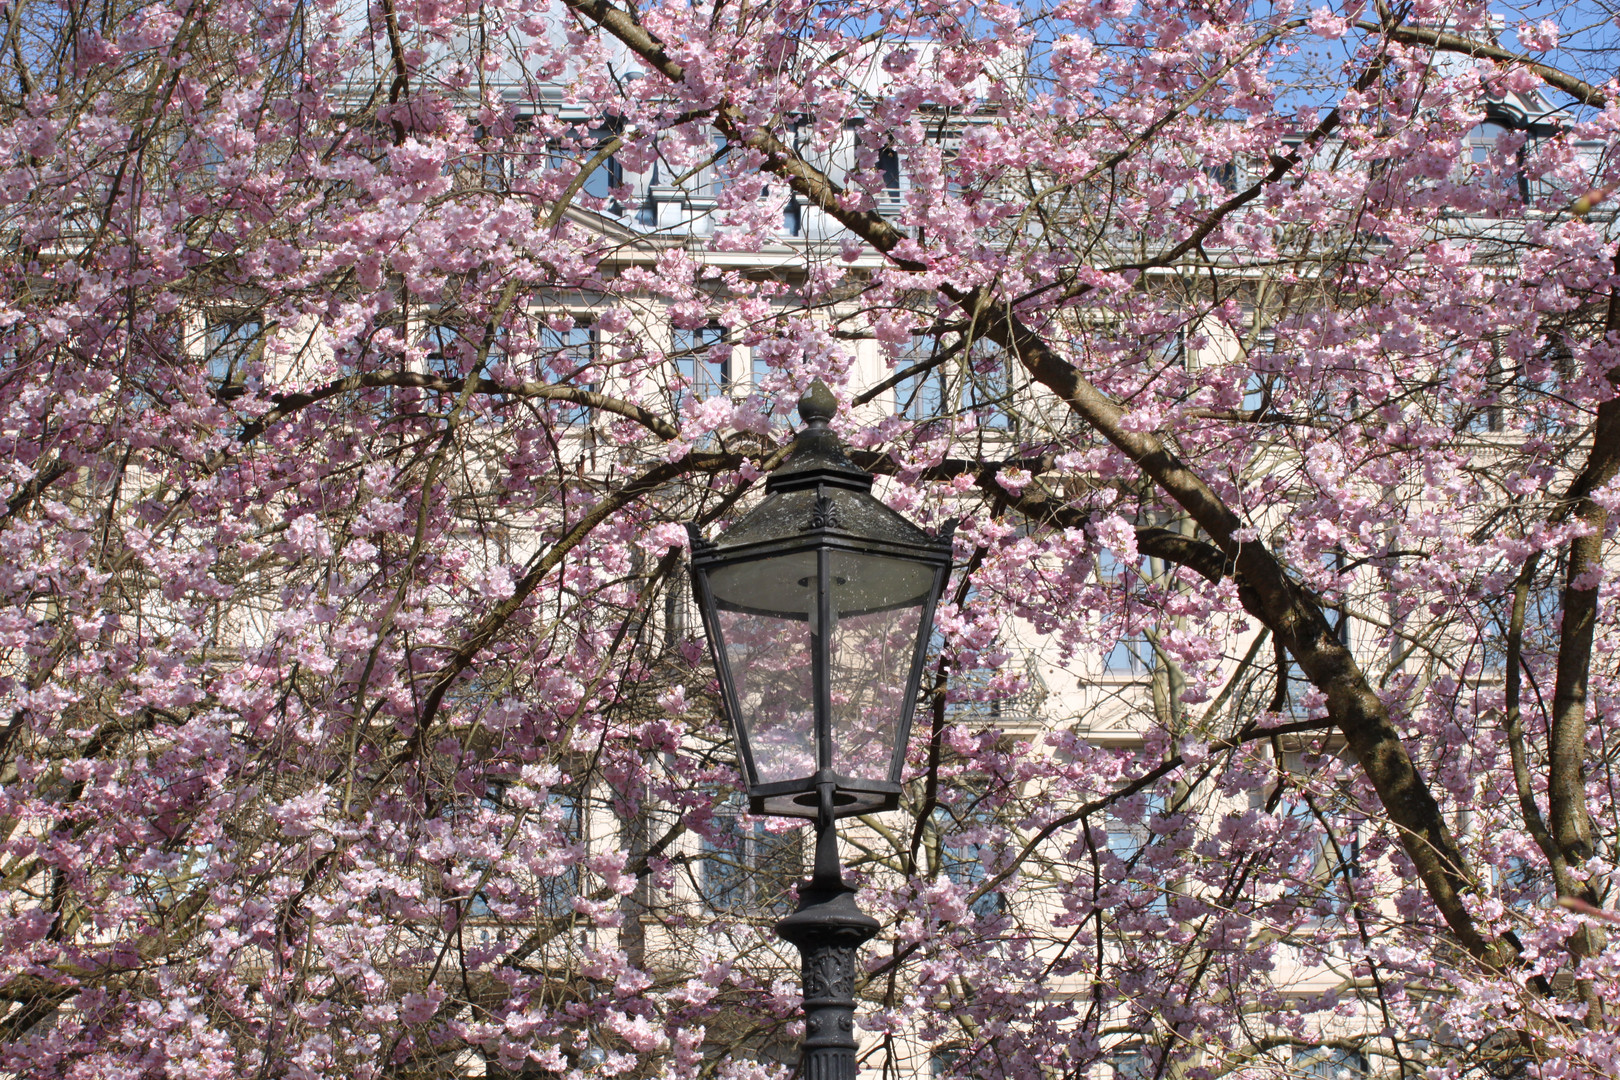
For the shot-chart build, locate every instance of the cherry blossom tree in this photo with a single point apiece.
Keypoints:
(352, 724)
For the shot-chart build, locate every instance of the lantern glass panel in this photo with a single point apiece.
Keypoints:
(879, 604)
(764, 628)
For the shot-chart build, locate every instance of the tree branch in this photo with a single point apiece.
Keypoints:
(1584, 92)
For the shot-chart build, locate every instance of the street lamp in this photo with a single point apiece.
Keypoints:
(818, 606)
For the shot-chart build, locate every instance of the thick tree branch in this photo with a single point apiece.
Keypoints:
(1582, 91)
(1568, 818)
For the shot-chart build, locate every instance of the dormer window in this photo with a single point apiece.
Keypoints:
(605, 177)
(1483, 142)
(888, 164)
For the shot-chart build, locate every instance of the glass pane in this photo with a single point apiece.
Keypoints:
(864, 584)
(879, 604)
(770, 668)
(767, 615)
(748, 867)
(783, 586)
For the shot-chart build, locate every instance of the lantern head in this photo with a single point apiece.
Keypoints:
(819, 604)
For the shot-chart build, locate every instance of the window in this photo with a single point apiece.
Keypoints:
(478, 906)
(492, 809)
(792, 210)
(1318, 877)
(1131, 655)
(703, 363)
(745, 867)
(888, 165)
(989, 384)
(961, 858)
(1481, 141)
(970, 703)
(1130, 1063)
(792, 213)
(168, 879)
(578, 153)
(1485, 141)
(1171, 350)
(1541, 609)
(1481, 413)
(1258, 385)
(573, 354)
(1536, 386)
(981, 385)
(921, 396)
(500, 156)
(762, 368)
(1255, 392)
(1545, 374)
(1127, 842)
(230, 344)
(1347, 840)
(447, 352)
(1329, 1063)
(1224, 175)
(714, 174)
(1524, 883)
(603, 179)
(451, 355)
(557, 893)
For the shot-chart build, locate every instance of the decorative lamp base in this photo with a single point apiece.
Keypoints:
(828, 929)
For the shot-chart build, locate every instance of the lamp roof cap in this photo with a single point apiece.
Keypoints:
(818, 490)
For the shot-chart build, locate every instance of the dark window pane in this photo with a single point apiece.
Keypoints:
(703, 363)
(446, 352)
(921, 396)
(747, 868)
(1130, 656)
(557, 893)
(230, 344)
(573, 355)
(889, 167)
(962, 855)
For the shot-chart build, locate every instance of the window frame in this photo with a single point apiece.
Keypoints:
(754, 875)
(694, 360)
(246, 348)
(554, 343)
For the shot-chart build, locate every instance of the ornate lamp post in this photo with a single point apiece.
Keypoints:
(818, 606)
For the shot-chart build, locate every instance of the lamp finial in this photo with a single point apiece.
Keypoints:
(817, 404)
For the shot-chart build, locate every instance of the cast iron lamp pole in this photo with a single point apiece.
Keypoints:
(821, 586)
(829, 929)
